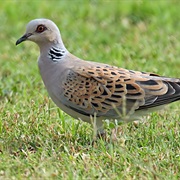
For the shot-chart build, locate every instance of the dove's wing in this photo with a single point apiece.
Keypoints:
(105, 89)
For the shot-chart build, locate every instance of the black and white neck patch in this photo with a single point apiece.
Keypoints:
(56, 54)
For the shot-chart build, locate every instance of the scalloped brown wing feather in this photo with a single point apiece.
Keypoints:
(107, 90)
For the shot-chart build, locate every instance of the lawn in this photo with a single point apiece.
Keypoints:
(38, 140)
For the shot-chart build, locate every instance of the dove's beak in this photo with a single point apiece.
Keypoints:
(23, 38)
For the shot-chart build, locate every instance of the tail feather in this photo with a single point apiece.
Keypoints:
(172, 95)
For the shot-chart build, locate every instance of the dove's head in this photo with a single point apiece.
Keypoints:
(41, 31)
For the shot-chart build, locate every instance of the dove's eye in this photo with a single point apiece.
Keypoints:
(41, 28)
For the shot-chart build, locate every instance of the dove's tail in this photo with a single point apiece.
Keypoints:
(172, 94)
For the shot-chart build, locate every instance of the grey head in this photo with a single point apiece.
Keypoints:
(42, 32)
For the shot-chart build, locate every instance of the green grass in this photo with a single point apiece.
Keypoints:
(39, 141)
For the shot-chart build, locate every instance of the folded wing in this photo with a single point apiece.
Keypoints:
(106, 90)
